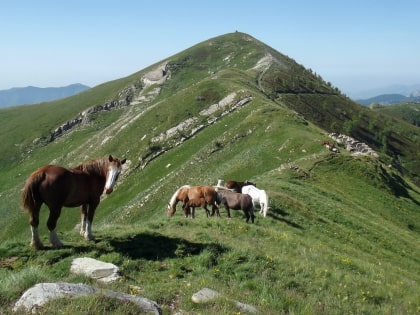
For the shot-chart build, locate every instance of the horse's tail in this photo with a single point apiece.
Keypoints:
(30, 193)
(219, 197)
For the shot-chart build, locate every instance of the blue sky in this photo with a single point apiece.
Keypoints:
(356, 45)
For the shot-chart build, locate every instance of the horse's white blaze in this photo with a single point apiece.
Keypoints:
(113, 173)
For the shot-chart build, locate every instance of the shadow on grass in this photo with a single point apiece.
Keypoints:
(155, 246)
(279, 214)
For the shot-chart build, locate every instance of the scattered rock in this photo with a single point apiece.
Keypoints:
(95, 269)
(206, 295)
(35, 297)
(246, 308)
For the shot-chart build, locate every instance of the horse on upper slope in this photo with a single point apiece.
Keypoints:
(237, 186)
(59, 187)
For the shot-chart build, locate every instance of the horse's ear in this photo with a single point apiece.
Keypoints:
(123, 161)
(110, 158)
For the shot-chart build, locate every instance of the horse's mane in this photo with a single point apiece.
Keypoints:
(98, 166)
(175, 195)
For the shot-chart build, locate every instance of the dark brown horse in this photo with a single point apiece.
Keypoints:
(59, 187)
(192, 197)
(237, 186)
(236, 201)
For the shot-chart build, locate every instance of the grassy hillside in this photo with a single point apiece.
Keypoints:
(408, 111)
(342, 232)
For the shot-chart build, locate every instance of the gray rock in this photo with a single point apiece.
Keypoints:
(35, 297)
(206, 295)
(246, 308)
(41, 293)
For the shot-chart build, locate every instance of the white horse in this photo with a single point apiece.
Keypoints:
(258, 196)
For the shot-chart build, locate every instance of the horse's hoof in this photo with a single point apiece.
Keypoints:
(88, 237)
(37, 245)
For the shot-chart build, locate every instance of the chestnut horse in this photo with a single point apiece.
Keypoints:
(236, 201)
(59, 187)
(192, 197)
(237, 186)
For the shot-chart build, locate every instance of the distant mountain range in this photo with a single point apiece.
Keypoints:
(406, 90)
(34, 95)
(387, 99)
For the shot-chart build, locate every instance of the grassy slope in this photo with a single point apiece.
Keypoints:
(409, 112)
(341, 237)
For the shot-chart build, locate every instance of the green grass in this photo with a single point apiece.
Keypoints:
(323, 249)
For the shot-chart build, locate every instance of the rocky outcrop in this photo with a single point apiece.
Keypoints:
(84, 117)
(192, 125)
(131, 94)
(352, 145)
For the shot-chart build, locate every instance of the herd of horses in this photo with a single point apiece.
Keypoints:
(233, 196)
(82, 186)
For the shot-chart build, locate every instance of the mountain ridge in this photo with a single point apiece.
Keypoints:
(387, 99)
(33, 95)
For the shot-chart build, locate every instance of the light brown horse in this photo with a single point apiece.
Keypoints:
(237, 186)
(192, 197)
(59, 187)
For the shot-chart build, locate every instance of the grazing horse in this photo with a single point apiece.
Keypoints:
(181, 194)
(59, 187)
(191, 197)
(237, 186)
(258, 196)
(236, 201)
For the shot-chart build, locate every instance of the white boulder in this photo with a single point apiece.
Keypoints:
(95, 269)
